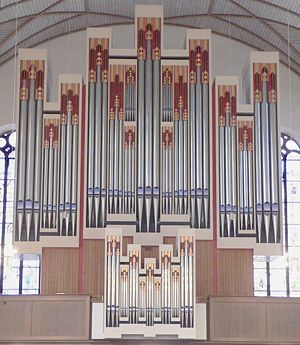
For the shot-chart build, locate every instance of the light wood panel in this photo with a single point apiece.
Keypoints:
(204, 268)
(235, 267)
(94, 267)
(150, 252)
(15, 318)
(283, 317)
(235, 319)
(59, 270)
(51, 317)
(171, 240)
(263, 320)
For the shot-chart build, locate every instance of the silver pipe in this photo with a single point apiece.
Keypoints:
(180, 162)
(265, 125)
(136, 287)
(242, 188)
(156, 140)
(176, 166)
(185, 165)
(164, 179)
(98, 142)
(133, 99)
(149, 131)
(31, 131)
(182, 283)
(45, 186)
(126, 174)
(75, 169)
(171, 177)
(115, 155)
(104, 154)
(69, 152)
(168, 178)
(37, 164)
(206, 158)
(191, 286)
(22, 149)
(117, 281)
(62, 175)
(258, 167)
(130, 174)
(234, 178)
(109, 283)
(49, 183)
(111, 164)
(91, 147)
(141, 143)
(274, 167)
(162, 290)
(169, 288)
(127, 99)
(164, 101)
(130, 289)
(113, 285)
(193, 152)
(54, 198)
(222, 177)
(133, 178)
(228, 172)
(199, 152)
(247, 186)
(250, 171)
(186, 281)
(121, 166)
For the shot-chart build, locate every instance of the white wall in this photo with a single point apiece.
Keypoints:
(66, 54)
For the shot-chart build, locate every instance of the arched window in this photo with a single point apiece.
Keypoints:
(18, 274)
(280, 276)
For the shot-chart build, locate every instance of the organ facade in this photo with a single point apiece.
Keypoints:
(149, 152)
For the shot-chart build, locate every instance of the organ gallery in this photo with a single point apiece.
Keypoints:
(157, 159)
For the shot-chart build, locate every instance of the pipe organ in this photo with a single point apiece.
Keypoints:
(148, 147)
(144, 293)
(31, 100)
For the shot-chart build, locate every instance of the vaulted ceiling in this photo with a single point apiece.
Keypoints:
(262, 24)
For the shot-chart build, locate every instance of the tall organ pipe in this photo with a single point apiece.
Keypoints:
(141, 143)
(91, 153)
(104, 151)
(148, 128)
(199, 152)
(31, 130)
(156, 137)
(266, 158)
(98, 139)
(38, 154)
(22, 148)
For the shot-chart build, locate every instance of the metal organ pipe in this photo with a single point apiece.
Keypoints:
(156, 128)
(148, 124)
(91, 144)
(266, 153)
(97, 129)
(31, 130)
(140, 130)
(199, 132)
(227, 160)
(97, 133)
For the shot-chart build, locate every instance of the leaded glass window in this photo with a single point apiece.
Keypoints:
(19, 274)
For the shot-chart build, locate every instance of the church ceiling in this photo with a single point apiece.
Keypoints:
(262, 24)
